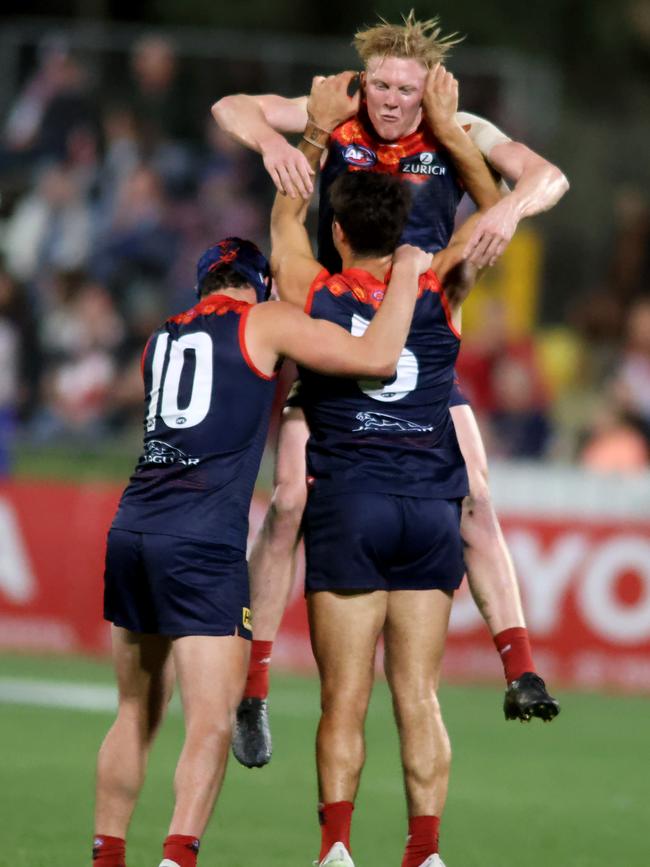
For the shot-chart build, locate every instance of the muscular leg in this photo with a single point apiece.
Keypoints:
(271, 569)
(145, 682)
(490, 571)
(415, 632)
(211, 672)
(272, 558)
(414, 636)
(493, 582)
(344, 632)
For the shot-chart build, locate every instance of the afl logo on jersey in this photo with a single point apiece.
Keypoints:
(358, 155)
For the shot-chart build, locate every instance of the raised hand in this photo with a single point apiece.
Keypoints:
(492, 233)
(330, 103)
(289, 168)
(440, 99)
(408, 255)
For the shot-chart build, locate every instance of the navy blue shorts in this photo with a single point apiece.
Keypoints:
(172, 586)
(362, 541)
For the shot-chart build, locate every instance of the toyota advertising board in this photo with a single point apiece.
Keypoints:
(581, 549)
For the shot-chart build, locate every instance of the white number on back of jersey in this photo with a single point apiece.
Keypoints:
(201, 394)
(406, 378)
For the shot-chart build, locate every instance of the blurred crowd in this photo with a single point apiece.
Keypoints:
(110, 193)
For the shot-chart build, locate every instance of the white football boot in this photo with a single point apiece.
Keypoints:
(338, 856)
(167, 863)
(433, 861)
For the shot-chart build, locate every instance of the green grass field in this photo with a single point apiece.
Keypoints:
(575, 792)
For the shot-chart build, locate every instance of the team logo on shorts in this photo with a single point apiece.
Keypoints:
(159, 452)
(246, 618)
(383, 422)
(358, 155)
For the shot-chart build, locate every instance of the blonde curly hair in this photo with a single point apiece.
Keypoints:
(416, 40)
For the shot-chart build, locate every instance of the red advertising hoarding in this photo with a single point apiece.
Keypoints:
(585, 585)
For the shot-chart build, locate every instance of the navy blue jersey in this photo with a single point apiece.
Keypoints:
(392, 437)
(417, 158)
(206, 419)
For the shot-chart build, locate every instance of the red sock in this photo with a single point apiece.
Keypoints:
(422, 840)
(335, 821)
(181, 849)
(109, 851)
(257, 682)
(516, 655)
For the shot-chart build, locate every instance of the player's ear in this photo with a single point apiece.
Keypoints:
(362, 83)
(337, 232)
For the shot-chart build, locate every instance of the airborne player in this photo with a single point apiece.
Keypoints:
(407, 124)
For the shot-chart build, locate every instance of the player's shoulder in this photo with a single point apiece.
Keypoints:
(349, 132)
(208, 309)
(267, 313)
(356, 285)
(482, 131)
(429, 282)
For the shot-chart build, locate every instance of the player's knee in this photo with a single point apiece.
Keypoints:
(214, 729)
(140, 717)
(343, 700)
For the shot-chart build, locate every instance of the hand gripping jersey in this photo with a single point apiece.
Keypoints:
(417, 158)
(206, 419)
(392, 437)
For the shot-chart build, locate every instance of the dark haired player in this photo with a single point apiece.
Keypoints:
(176, 580)
(382, 523)
(406, 125)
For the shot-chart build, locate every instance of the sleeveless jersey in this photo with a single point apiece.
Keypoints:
(207, 411)
(417, 158)
(396, 436)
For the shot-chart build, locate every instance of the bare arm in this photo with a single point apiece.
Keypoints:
(293, 263)
(258, 122)
(276, 329)
(292, 259)
(538, 186)
(440, 103)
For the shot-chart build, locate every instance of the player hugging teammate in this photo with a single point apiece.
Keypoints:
(407, 116)
(396, 465)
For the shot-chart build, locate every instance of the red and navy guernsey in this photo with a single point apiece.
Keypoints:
(394, 436)
(418, 158)
(207, 411)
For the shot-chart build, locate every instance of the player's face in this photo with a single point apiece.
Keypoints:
(394, 87)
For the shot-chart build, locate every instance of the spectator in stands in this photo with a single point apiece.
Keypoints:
(10, 351)
(519, 426)
(51, 227)
(82, 336)
(137, 245)
(156, 94)
(616, 443)
(632, 382)
(122, 155)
